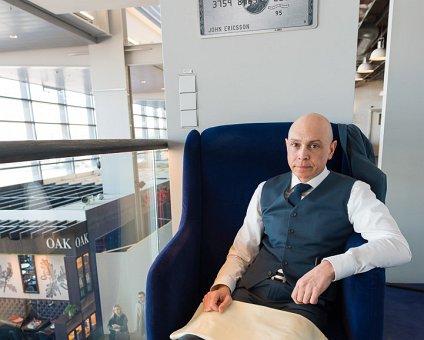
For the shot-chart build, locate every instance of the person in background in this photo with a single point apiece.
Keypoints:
(140, 312)
(118, 325)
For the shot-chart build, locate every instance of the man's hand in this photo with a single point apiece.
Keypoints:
(311, 285)
(217, 300)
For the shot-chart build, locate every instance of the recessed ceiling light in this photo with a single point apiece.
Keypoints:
(143, 81)
(13, 36)
(86, 15)
(132, 41)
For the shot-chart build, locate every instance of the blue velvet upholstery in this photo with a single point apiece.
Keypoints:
(222, 168)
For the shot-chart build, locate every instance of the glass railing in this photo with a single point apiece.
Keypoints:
(73, 247)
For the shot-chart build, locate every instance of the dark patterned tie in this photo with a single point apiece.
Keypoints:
(296, 196)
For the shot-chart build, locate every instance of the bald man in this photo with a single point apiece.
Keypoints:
(289, 250)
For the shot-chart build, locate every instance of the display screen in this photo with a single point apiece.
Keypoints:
(81, 279)
(28, 274)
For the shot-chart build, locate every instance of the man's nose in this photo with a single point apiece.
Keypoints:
(303, 153)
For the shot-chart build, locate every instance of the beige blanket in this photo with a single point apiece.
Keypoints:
(249, 322)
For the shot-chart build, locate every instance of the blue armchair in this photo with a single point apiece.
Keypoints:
(222, 168)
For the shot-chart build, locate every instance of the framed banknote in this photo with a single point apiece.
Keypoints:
(226, 17)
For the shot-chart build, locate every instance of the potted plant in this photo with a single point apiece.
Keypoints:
(71, 310)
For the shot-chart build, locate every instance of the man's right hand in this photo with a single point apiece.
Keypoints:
(217, 300)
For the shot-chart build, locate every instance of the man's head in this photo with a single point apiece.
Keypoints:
(141, 297)
(309, 146)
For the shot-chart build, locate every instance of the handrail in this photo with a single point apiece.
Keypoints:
(30, 150)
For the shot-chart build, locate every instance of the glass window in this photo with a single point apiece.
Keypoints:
(78, 115)
(81, 132)
(87, 272)
(163, 134)
(78, 99)
(46, 113)
(12, 109)
(44, 94)
(153, 134)
(49, 131)
(78, 330)
(55, 168)
(137, 121)
(136, 109)
(139, 133)
(84, 164)
(10, 88)
(80, 271)
(93, 321)
(151, 122)
(15, 173)
(87, 327)
(14, 131)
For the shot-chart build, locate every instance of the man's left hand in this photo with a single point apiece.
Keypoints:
(311, 285)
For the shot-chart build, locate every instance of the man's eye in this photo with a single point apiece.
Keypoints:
(295, 145)
(314, 146)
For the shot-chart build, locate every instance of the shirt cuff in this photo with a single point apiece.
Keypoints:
(343, 265)
(224, 281)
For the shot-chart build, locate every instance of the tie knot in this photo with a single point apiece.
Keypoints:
(296, 196)
(301, 188)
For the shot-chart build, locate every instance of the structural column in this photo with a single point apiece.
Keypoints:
(111, 96)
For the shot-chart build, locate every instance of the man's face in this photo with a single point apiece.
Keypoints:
(309, 147)
(141, 297)
(117, 310)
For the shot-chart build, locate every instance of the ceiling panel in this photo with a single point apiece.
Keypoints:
(31, 32)
(71, 6)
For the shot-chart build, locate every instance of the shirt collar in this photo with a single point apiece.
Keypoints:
(314, 182)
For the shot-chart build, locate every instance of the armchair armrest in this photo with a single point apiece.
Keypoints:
(172, 292)
(363, 300)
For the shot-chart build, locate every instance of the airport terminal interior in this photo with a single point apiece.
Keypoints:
(97, 98)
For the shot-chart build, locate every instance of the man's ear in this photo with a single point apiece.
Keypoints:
(333, 146)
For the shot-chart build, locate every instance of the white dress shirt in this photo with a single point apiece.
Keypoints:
(386, 245)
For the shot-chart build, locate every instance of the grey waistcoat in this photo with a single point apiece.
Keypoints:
(297, 238)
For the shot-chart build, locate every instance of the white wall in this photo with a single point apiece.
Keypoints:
(402, 156)
(257, 77)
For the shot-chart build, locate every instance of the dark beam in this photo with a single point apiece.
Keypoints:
(20, 151)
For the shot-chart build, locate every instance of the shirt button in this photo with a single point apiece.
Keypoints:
(269, 273)
(289, 247)
(294, 214)
(285, 263)
(291, 231)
